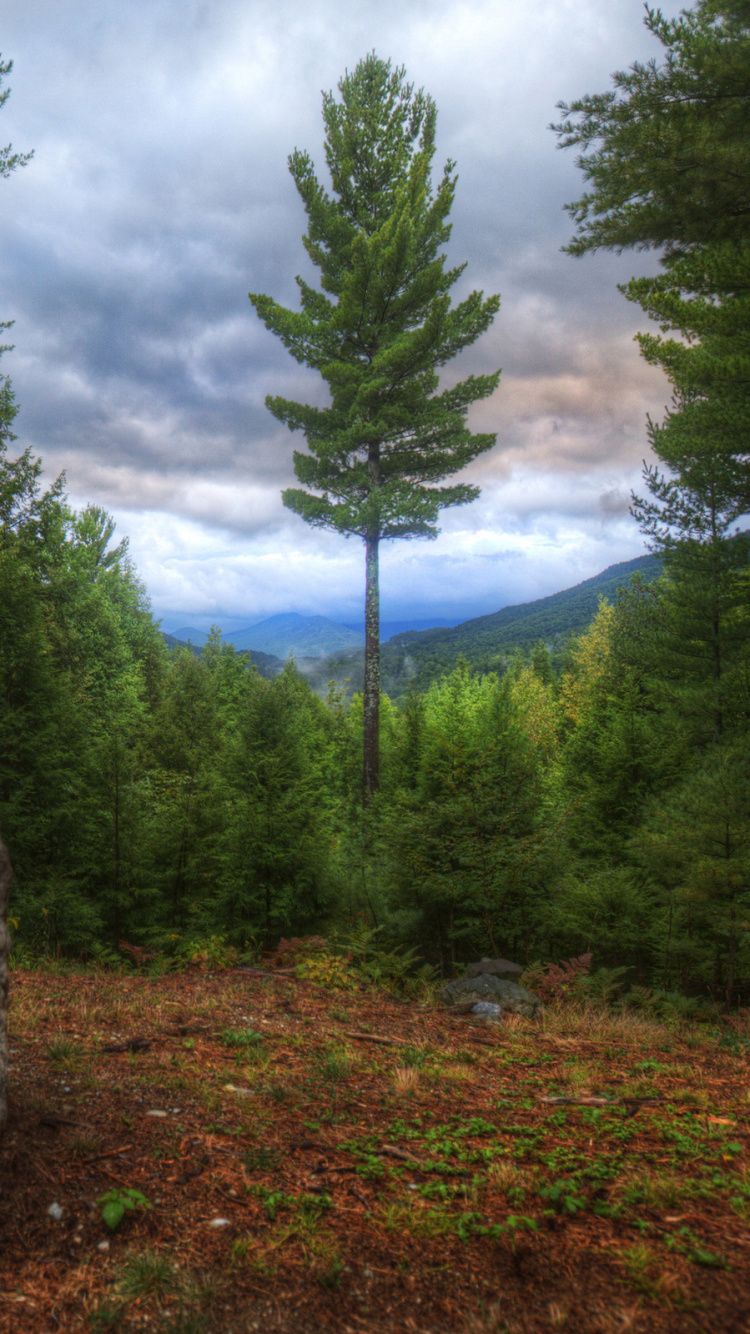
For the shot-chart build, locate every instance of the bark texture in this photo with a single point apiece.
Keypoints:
(5, 876)
(371, 770)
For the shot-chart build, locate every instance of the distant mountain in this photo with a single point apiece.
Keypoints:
(390, 628)
(187, 634)
(568, 612)
(413, 659)
(303, 636)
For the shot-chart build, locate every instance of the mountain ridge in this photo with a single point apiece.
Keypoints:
(413, 658)
(582, 599)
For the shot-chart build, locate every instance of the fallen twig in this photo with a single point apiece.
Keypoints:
(132, 1045)
(107, 1153)
(272, 972)
(370, 1037)
(392, 1151)
(114, 1177)
(633, 1104)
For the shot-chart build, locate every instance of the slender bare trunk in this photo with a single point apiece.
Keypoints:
(118, 850)
(370, 772)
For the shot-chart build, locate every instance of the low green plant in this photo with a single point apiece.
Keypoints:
(562, 1197)
(261, 1159)
(334, 1065)
(116, 1203)
(328, 970)
(273, 1201)
(213, 952)
(241, 1038)
(332, 1274)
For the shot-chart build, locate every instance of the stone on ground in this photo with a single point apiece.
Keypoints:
(511, 998)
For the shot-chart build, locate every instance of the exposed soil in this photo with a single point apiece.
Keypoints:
(303, 1176)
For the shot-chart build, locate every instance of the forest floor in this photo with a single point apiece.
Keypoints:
(299, 1159)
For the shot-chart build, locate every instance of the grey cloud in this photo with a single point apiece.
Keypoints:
(159, 196)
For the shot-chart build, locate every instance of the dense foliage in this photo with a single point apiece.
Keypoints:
(173, 799)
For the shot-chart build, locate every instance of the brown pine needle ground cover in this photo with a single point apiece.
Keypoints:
(304, 1175)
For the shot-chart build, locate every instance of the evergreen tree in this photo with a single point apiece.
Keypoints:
(9, 161)
(705, 299)
(469, 857)
(696, 846)
(668, 156)
(377, 332)
(667, 152)
(696, 501)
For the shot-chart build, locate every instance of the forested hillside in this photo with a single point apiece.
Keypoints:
(548, 618)
(412, 660)
(174, 799)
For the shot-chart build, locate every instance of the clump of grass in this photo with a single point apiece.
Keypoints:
(641, 1267)
(575, 1077)
(405, 1079)
(587, 1020)
(647, 1274)
(505, 1175)
(152, 1280)
(85, 1146)
(278, 1092)
(334, 1064)
(64, 1052)
(261, 1159)
(456, 1073)
(413, 1057)
(148, 1274)
(659, 1190)
(427, 1223)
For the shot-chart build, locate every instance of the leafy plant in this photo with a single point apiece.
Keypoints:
(555, 982)
(328, 970)
(240, 1037)
(116, 1203)
(562, 1197)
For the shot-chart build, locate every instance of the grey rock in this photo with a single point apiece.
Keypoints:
(496, 967)
(5, 877)
(508, 995)
(488, 1009)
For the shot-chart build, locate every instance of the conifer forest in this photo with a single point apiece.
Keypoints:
(591, 796)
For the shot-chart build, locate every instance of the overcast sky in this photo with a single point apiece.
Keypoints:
(159, 196)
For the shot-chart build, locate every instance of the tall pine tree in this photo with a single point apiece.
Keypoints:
(377, 332)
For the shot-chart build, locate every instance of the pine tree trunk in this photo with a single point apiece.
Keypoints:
(370, 772)
(5, 875)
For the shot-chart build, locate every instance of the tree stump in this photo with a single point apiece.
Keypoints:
(5, 877)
